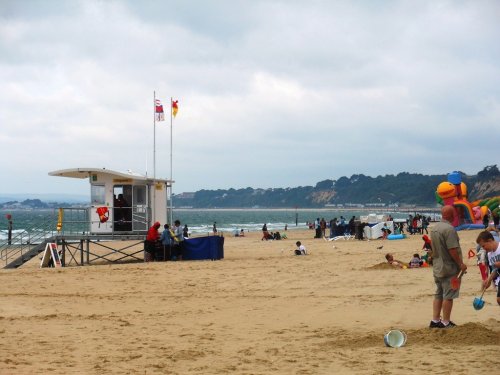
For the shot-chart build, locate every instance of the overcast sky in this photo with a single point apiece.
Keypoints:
(271, 93)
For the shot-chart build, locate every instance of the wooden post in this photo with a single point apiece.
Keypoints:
(9, 228)
(63, 255)
(81, 252)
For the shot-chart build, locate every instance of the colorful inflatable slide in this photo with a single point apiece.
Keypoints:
(470, 215)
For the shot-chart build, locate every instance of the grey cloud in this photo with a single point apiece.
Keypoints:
(314, 91)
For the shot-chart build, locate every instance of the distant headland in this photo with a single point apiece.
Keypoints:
(404, 190)
(358, 192)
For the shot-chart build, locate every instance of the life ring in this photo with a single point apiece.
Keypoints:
(103, 213)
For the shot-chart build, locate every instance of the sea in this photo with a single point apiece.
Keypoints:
(200, 221)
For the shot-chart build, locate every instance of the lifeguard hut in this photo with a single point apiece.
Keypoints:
(122, 202)
(123, 205)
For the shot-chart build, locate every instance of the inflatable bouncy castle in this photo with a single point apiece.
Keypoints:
(470, 215)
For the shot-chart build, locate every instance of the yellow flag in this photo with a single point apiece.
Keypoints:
(175, 107)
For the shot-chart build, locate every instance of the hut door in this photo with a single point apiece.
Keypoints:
(122, 209)
(140, 208)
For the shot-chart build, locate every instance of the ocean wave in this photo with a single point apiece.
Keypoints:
(198, 221)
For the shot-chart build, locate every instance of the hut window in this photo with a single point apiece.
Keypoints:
(97, 194)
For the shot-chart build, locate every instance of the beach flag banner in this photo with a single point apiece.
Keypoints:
(49, 254)
(159, 114)
(175, 107)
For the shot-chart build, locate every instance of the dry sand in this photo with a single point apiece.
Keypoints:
(261, 310)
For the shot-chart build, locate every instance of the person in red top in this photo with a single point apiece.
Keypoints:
(414, 225)
(152, 239)
(427, 243)
(428, 249)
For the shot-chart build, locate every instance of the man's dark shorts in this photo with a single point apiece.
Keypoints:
(177, 250)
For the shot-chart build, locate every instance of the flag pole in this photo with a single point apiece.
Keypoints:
(171, 143)
(153, 213)
(154, 134)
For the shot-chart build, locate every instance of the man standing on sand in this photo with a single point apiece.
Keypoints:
(178, 241)
(447, 263)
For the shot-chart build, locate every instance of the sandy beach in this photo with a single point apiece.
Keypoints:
(261, 310)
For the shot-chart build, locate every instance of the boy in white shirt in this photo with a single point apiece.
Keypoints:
(492, 248)
(301, 249)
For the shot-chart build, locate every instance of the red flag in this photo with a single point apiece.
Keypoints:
(175, 107)
(159, 115)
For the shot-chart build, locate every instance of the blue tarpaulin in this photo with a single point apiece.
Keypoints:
(209, 247)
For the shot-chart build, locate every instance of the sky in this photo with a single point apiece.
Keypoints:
(271, 93)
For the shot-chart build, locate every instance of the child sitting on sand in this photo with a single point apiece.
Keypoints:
(301, 249)
(426, 259)
(394, 262)
(416, 262)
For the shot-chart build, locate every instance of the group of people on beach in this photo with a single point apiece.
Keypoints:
(267, 235)
(444, 253)
(417, 260)
(448, 265)
(337, 227)
(168, 245)
(417, 224)
(487, 219)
